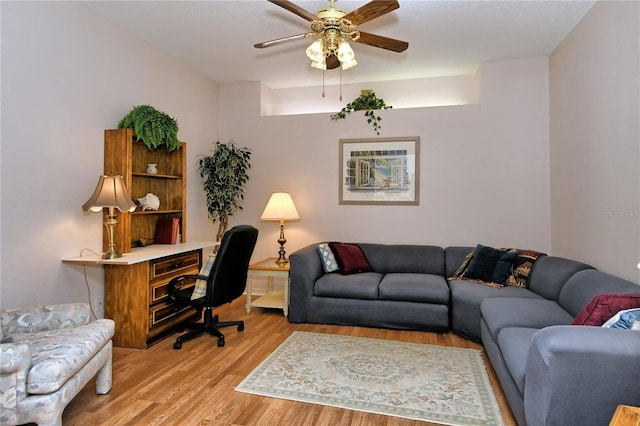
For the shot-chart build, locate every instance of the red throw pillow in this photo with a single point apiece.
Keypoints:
(350, 258)
(604, 306)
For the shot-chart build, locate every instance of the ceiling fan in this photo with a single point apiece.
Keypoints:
(332, 30)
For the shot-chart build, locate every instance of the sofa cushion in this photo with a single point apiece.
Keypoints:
(356, 286)
(503, 312)
(604, 306)
(350, 258)
(550, 273)
(417, 259)
(514, 345)
(329, 262)
(466, 298)
(57, 355)
(584, 285)
(425, 288)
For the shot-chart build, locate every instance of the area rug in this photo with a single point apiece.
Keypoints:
(422, 382)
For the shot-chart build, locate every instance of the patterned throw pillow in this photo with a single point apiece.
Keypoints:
(628, 319)
(329, 263)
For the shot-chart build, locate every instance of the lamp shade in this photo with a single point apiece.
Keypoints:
(280, 207)
(110, 192)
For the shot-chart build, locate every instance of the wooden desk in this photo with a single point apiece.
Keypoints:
(272, 299)
(136, 289)
(626, 415)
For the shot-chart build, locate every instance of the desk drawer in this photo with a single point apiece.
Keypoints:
(171, 266)
(164, 312)
(159, 289)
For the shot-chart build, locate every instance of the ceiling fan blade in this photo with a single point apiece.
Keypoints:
(293, 8)
(371, 10)
(332, 62)
(382, 42)
(282, 40)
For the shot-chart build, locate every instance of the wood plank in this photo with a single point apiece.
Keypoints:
(195, 385)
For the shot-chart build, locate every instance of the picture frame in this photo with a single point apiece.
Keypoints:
(380, 171)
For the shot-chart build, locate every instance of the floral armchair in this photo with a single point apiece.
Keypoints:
(47, 355)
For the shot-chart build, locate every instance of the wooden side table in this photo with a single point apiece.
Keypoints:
(626, 415)
(272, 299)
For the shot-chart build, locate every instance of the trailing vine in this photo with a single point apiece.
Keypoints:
(154, 128)
(367, 102)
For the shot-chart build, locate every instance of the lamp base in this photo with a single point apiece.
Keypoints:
(282, 261)
(112, 255)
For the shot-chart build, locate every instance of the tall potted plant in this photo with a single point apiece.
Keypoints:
(224, 175)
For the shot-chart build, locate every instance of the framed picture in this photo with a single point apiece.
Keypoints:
(380, 171)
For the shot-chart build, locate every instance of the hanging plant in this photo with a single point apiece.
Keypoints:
(154, 128)
(367, 102)
(224, 175)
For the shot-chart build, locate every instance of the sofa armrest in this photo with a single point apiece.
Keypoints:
(15, 362)
(305, 269)
(578, 375)
(44, 318)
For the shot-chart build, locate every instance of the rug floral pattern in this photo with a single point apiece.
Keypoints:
(416, 381)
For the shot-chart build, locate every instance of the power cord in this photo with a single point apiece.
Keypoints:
(86, 280)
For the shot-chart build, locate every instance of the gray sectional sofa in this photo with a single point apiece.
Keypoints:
(552, 372)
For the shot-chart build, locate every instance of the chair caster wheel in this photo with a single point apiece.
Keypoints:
(220, 342)
(177, 345)
(241, 327)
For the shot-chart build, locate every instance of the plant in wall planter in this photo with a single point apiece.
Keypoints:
(154, 128)
(224, 175)
(367, 102)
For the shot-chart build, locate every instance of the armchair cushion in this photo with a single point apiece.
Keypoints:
(43, 318)
(57, 355)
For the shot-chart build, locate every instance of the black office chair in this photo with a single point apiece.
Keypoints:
(225, 283)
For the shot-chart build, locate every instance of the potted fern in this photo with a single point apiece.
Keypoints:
(367, 102)
(154, 128)
(224, 175)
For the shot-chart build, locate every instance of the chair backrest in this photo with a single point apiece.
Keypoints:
(228, 277)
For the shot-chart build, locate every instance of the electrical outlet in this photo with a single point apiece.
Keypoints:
(99, 304)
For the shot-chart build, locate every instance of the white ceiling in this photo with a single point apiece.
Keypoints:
(445, 37)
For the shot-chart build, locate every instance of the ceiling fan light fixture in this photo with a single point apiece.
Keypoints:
(321, 65)
(348, 64)
(345, 52)
(315, 51)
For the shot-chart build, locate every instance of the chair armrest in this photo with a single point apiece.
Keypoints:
(44, 318)
(173, 284)
(15, 362)
(580, 374)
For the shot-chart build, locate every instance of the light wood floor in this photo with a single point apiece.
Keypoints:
(195, 385)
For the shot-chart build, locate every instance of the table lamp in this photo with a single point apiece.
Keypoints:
(110, 192)
(280, 207)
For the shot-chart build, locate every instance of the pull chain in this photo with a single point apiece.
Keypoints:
(323, 83)
(340, 84)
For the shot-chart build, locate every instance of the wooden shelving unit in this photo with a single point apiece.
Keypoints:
(125, 156)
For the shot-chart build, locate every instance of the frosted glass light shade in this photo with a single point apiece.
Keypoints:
(280, 207)
(315, 51)
(345, 52)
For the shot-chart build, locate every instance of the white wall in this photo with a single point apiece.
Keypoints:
(67, 74)
(595, 140)
(484, 168)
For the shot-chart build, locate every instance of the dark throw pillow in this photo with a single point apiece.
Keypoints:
(350, 258)
(604, 306)
(503, 266)
(483, 263)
